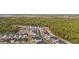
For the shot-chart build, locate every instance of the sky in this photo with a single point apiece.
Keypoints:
(39, 7)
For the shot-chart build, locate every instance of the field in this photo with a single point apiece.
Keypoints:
(66, 28)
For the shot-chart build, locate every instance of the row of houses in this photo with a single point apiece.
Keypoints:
(13, 35)
(12, 38)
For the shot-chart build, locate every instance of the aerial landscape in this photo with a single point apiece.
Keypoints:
(39, 29)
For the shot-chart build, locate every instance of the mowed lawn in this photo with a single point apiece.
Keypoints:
(66, 28)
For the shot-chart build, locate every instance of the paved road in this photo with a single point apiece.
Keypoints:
(52, 38)
(48, 38)
(60, 40)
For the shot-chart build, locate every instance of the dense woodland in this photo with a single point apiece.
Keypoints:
(66, 28)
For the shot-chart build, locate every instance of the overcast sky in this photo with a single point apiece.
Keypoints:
(39, 6)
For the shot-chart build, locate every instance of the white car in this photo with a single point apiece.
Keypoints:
(34, 34)
(37, 40)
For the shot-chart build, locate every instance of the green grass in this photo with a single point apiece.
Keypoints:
(65, 28)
